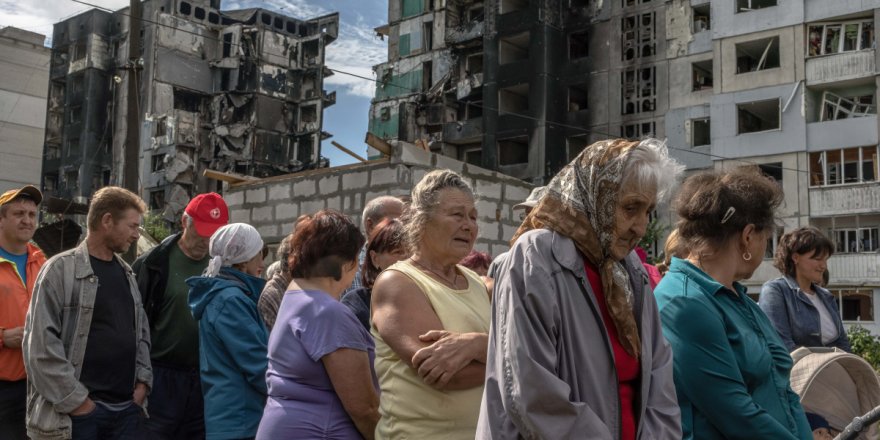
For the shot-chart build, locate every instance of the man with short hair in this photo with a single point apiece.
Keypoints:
(20, 262)
(375, 211)
(177, 406)
(86, 338)
(526, 206)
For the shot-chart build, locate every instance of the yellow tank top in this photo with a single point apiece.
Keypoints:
(409, 408)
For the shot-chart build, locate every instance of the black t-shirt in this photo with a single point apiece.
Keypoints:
(108, 369)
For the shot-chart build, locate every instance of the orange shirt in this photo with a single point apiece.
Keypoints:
(14, 299)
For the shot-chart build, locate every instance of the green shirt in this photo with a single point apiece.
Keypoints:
(175, 335)
(731, 370)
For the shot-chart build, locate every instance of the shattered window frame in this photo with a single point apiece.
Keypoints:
(861, 37)
(748, 121)
(638, 91)
(638, 36)
(769, 59)
(844, 166)
(836, 107)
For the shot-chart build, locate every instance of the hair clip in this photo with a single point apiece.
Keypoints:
(728, 215)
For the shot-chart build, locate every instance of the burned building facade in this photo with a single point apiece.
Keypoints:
(235, 91)
(503, 84)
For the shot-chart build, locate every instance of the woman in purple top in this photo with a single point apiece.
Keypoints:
(320, 376)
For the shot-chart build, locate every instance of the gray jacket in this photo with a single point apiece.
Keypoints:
(55, 334)
(550, 372)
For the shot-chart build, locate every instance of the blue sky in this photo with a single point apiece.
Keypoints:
(356, 51)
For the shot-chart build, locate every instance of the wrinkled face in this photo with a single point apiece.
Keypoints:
(20, 221)
(123, 232)
(194, 245)
(254, 266)
(452, 228)
(631, 217)
(382, 260)
(810, 265)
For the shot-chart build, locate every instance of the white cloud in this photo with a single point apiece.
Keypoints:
(356, 51)
(39, 16)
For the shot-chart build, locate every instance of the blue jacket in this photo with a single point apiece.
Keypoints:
(731, 370)
(232, 352)
(796, 318)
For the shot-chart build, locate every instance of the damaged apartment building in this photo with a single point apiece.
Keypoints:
(232, 91)
(521, 86)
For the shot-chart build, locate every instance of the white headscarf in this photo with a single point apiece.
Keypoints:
(232, 244)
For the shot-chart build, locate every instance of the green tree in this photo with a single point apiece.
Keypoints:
(156, 226)
(653, 232)
(865, 344)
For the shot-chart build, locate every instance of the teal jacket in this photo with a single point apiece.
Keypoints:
(232, 352)
(731, 370)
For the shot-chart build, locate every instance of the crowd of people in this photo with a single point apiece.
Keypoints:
(399, 329)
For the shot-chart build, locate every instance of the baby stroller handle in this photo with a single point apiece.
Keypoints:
(858, 424)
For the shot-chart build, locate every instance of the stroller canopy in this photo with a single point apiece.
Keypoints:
(836, 385)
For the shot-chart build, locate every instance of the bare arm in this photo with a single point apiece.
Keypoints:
(402, 313)
(349, 371)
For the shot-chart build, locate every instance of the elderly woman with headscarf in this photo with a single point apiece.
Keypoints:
(731, 368)
(576, 348)
(430, 319)
(232, 336)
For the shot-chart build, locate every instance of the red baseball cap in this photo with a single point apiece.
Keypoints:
(209, 212)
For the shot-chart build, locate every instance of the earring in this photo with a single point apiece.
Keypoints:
(747, 256)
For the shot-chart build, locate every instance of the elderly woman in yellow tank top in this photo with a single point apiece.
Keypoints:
(431, 319)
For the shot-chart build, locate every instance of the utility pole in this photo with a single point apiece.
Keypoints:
(131, 150)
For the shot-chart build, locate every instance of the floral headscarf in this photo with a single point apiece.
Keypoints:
(580, 203)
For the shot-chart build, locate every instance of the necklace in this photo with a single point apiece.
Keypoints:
(439, 275)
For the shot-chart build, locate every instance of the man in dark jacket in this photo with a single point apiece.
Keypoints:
(176, 406)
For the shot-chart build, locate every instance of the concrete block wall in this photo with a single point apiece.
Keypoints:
(272, 205)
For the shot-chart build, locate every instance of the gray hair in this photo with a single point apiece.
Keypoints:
(187, 220)
(649, 165)
(375, 210)
(283, 253)
(426, 197)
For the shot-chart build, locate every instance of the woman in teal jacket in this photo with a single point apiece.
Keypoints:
(731, 370)
(232, 336)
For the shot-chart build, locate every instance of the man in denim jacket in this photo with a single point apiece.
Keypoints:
(86, 339)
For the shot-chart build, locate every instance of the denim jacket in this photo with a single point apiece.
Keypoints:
(796, 318)
(55, 335)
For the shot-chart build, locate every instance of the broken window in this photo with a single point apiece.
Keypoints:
(514, 48)
(227, 44)
(157, 199)
(575, 145)
(428, 35)
(385, 114)
(291, 27)
(73, 147)
(71, 178)
(310, 51)
(638, 93)
(185, 8)
(854, 240)
(638, 36)
(507, 6)
(213, 18)
(472, 154)
(513, 99)
(626, 3)
(427, 75)
(513, 151)
(702, 18)
(278, 23)
(157, 162)
(187, 101)
(308, 118)
(848, 165)
(702, 74)
(200, 13)
(76, 84)
(578, 97)
(751, 5)
(50, 182)
(757, 55)
(837, 107)
(638, 130)
(830, 38)
(266, 19)
(469, 110)
(75, 114)
(475, 13)
(80, 51)
(753, 117)
(772, 170)
(701, 133)
(578, 45)
(855, 304)
(474, 64)
(52, 151)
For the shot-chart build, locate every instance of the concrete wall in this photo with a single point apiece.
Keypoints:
(727, 23)
(24, 79)
(791, 61)
(272, 205)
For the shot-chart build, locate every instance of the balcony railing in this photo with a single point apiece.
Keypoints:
(840, 67)
(851, 199)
